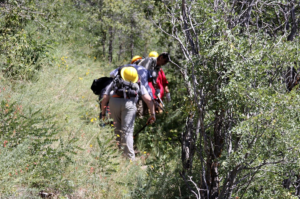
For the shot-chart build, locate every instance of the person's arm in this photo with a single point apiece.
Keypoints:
(147, 99)
(168, 95)
(144, 77)
(104, 102)
(167, 89)
(105, 99)
(165, 84)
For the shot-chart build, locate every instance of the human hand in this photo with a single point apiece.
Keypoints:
(102, 116)
(151, 119)
(168, 96)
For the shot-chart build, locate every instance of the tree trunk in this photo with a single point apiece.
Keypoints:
(132, 28)
(188, 144)
(297, 186)
(102, 29)
(216, 146)
(110, 45)
(103, 42)
(294, 23)
(120, 48)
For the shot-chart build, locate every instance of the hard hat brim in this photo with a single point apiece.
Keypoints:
(134, 59)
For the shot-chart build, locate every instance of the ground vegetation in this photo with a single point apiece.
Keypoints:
(231, 130)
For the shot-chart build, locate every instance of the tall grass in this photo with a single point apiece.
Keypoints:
(81, 159)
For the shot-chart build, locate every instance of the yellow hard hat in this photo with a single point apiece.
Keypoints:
(129, 74)
(135, 58)
(153, 54)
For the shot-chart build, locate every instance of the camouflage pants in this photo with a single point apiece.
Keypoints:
(142, 109)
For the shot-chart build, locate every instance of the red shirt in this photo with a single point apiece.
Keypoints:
(161, 81)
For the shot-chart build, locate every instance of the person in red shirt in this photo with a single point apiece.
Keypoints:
(162, 84)
(159, 89)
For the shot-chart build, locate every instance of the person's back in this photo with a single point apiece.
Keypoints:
(142, 73)
(123, 103)
(149, 63)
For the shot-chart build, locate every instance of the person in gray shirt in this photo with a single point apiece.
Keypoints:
(123, 108)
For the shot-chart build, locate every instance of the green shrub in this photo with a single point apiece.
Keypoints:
(22, 55)
(31, 153)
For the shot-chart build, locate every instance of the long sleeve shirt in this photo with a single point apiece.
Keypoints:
(161, 83)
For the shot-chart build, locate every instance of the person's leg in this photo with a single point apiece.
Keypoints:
(100, 114)
(116, 106)
(140, 109)
(146, 111)
(128, 118)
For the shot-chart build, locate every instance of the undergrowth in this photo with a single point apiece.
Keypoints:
(50, 137)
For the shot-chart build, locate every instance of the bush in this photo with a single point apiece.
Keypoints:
(22, 56)
(30, 151)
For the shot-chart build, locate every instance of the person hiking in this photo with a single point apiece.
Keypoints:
(129, 82)
(158, 81)
(136, 59)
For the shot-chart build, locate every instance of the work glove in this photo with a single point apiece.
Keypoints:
(168, 96)
(151, 119)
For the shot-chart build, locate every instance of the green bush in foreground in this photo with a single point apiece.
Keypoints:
(31, 155)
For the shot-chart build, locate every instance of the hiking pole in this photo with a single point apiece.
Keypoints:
(148, 122)
(161, 101)
(157, 93)
(141, 129)
(156, 103)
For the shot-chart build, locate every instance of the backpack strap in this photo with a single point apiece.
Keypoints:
(150, 64)
(124, 88)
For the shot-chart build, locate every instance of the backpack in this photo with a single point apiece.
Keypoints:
(150, 64)
(124, 88)
(99, 84)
